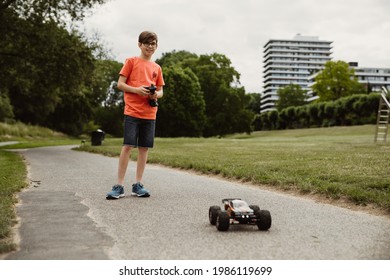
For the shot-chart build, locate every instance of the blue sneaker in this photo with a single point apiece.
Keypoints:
(117, 192)
(139, 190)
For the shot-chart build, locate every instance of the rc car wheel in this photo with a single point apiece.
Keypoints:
(213, 212)
(264, 220)
(255, 208)
(223, 221)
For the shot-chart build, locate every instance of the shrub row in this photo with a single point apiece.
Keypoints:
(351, 110)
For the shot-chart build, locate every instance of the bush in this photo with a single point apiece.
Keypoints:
(356, 109)
(290, 111)
(302, 116)
(283, 119)
(273, 118)
(329, 114)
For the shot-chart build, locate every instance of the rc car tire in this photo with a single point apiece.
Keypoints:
(223, 221)
(213, 213)
(255, 208)
(264, 220)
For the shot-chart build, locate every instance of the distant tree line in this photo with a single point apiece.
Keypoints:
(355, 109)
(342, 100)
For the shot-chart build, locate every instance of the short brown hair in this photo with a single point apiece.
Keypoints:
(147, 37)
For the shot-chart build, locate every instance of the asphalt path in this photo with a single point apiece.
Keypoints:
(64, 215)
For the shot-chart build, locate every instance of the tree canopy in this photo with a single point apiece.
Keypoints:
(290, 95)
(46, 69)
(225, 100)
(44, 11)
(254, 102)
(182, 110)
(336, 80)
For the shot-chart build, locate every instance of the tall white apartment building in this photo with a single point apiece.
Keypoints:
(373, 79)
(291, 62)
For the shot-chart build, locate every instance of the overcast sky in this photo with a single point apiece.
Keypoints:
(359, 29)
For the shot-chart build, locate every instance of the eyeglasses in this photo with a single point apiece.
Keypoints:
(152, 44)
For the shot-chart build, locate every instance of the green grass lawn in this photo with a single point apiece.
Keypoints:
(13, 177)
(31, 136)
(336, 162)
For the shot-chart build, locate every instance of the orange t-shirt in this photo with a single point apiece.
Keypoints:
(140, 72)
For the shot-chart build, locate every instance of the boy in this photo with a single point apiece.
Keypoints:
(136, 75)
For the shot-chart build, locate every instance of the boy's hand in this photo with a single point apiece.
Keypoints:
(142, 91)
(153, 95)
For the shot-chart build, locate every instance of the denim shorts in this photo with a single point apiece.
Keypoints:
(138, 132)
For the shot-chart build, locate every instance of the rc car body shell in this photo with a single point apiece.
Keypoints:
(237, 211)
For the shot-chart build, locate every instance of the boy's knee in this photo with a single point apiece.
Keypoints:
(143, 149)
(126, 148)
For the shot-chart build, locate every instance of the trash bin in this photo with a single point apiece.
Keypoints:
(97, 137)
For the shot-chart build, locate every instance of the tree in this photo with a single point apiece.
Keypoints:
(58, 11)
(225, 100)
(290, 96)
(108, 113)
(254, 102)
(6, 111)
(104, 82)
(175, 58)
(336, 80)
(182, 110)
(46, 68)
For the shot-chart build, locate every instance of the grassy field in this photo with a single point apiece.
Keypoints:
(31, 136)
(21, 131)
(336, 162)
(12, 179)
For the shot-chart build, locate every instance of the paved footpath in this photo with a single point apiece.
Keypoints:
(64, 215)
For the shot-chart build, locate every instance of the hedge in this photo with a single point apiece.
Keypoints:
(355, 109)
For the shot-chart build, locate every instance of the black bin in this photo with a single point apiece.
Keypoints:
(97, 137)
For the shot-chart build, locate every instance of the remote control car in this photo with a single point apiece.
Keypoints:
(237, 211)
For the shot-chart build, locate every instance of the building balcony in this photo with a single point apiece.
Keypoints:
(294, 68)
(293, 57)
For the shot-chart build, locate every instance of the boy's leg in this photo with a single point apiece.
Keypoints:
(118, 190)
(123, 163)
(141, 163)
(138, 188)
(129, 141)
(145, 141)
